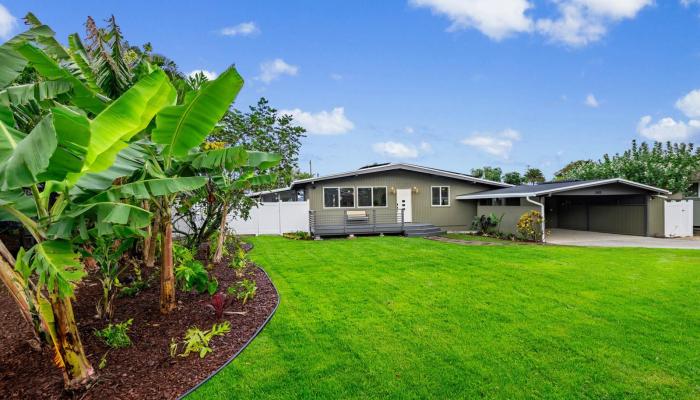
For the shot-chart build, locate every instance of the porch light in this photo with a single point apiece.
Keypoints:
(392, 190)
(415, 190)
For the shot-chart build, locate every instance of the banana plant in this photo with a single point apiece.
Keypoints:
(40, 168)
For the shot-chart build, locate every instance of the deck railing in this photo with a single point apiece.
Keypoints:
(350, 221)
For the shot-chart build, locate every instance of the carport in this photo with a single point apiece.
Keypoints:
(615, 206)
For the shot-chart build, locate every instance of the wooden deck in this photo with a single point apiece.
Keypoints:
(373, 221)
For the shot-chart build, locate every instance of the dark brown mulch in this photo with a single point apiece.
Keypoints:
(145, 370)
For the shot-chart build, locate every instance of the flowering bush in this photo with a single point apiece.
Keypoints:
(530, 226)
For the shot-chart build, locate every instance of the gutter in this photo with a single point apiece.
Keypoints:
(541, 205)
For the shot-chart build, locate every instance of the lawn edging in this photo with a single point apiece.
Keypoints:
(236, 354)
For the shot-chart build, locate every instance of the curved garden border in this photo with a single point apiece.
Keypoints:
(245, 345)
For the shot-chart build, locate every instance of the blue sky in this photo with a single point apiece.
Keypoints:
(445, 83)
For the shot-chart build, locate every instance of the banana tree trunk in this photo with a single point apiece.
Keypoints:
(153, 241)
(12, 282)
(149, 232)
(167, 273)
(221, 240)
(77, 371)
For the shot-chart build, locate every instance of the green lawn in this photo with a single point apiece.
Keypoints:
(400, 318)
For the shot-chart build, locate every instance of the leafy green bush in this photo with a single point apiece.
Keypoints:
(116, 335)
(181, 254)
(197, 340)
(136, 285)
(486, 224)
(193, 276)
(244, 290)
(239, 262)
(298, 235)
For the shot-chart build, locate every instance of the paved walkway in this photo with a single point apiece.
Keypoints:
(584, 238)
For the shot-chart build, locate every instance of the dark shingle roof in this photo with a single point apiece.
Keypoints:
(553, 187)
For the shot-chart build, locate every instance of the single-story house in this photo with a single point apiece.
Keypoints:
(418, 200)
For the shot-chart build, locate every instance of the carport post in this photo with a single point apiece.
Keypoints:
(544, 235)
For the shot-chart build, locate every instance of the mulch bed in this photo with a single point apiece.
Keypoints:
(145, 370)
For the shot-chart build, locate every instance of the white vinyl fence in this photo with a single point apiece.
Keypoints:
(273, 218)
(678, 218)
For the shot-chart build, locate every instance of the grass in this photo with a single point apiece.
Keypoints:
(397, 318)
(475, 238)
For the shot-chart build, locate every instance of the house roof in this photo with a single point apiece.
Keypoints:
(406, 167)
(554, 187)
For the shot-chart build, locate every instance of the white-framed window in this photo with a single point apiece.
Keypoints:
(338, 197)
(371, 196)
(440, 196)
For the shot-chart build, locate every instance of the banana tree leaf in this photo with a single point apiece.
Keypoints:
(47, 67)
(257, 181)
(57, 266)
(11, 62)
(228, 158)
(73, 137)
(105, 214)
(263, 160)
(150, 188)
(39, 91)
(48, 43)
(6, 116)
(125, 117)
(127, 161)
(29, 156)
(80, 57)
(183, 127)
(9, 137)
(19, 201)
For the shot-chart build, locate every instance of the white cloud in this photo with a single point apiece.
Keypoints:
(211, 75)
(271, 70)
(242, 29)
(498, 144)
(409, 129)
(688, 3)
(401, 150)
(690, 104)
(496, 19)
(591, 101)
(8, 22)
(322, 122)
(576, 23)
(585, 21)
(667, 129)
(336, 77)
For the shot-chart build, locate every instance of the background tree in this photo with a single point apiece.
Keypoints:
(533, 175)
(513, 177)
(487, 172)
(669, 166)
(566, 172)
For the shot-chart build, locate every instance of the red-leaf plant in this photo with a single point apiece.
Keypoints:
(218, 304)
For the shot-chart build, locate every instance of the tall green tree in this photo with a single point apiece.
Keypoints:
(533, 175)
(490, 173)
(671, 166)
(513, 177)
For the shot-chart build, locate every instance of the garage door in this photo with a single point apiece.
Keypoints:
(621, 215)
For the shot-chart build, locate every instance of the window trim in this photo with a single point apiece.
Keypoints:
(449, 193)
(371, 197)
(337, 188)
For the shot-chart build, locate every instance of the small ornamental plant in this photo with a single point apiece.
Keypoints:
(244, 291)
(197, 340)
(116, 336)
(530, 226)
(239, 262)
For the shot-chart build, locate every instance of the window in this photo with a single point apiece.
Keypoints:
(339, 197)
(330, 197)
(440, 196)
(364, 197)
(379, 196)
(485, 202)
(371, 196)
(512, 201)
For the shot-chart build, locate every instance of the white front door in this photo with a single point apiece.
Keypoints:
(403, 201)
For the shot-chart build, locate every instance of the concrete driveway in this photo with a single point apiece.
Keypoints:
(584, 238)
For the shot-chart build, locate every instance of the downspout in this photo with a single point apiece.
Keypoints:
(542, 211)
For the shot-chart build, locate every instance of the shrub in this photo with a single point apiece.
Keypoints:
(298, 235)
(116, 335)
(181, 254)
(244, 290)
(239, 262)
(136, 285)
(197, 340)
(530, 226)
(192, 276)
(486, 224)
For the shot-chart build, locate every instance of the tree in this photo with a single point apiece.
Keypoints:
(669, 166)
(533, 175)
(514, 178)
(263, 129)
(566, 172)
(490, 173)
